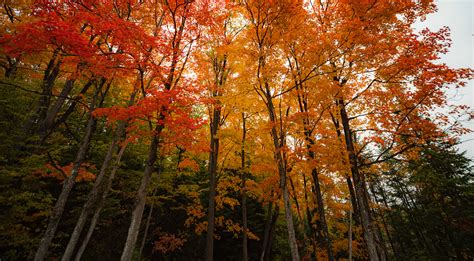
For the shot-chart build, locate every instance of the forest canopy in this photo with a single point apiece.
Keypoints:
(230, 130)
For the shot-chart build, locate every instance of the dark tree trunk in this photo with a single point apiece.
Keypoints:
(360, 187)
(266, 233)
(309, 218)
(244, 191)
(268, 249)
(213, 156)
(49, 78)
(48, 122)
(310, 143)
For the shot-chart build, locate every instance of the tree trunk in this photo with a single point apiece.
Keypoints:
(244, 192)
(51, 114)
(322, 214)
(360, 187)
(381, 214)
(137, 213)
(95, 192)
(268, 250)
(50, 75)
(278, 145)
(350, 232)
(147, 225)
(309, 217)
(68, 183)
(100, 205)
(266, 233)
(310, 142)
(213, 156)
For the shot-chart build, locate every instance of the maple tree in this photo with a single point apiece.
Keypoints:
(302, 130)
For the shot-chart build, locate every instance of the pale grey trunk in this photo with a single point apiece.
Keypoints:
(95, 192)
(67, 187)
(147, 225)
(282, 174)
(70, 181)
(137, 213)
(100, 205)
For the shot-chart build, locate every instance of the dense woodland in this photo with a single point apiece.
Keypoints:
(230, 130)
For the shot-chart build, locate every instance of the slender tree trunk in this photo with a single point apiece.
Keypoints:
(147, 226)
(70, 109)
(69, 182)
(213, 156)
(350, 232)
(279, 158)
(51, 114)
(49, 78)
(309, 217)
(354, 204)
(244, 192)
(385, 202)
(268, 250)
(94, 194)
(220, 73)
(266, 234)
(137, 213)
(310, 142)
(100, 205)
(383, 221)
(322, 214)
(360, 188)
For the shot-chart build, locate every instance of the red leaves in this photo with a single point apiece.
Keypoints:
(61, 172)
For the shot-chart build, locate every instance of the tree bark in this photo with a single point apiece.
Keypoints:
(272, 217)
(213, 156)
(266, 233)
(50, 75)
(100, 205)
(309, 218)
(69, 182)
(51, 114)
(244, 191)
(322, 214)
(268, 250)
(147, 225)
(360, 187)
(137, 213)
(310, 142)
(95, 192)
(278, 154)
(350, 232)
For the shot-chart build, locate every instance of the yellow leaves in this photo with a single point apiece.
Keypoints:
(227, 201)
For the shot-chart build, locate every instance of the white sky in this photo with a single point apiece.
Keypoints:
(458, 15)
